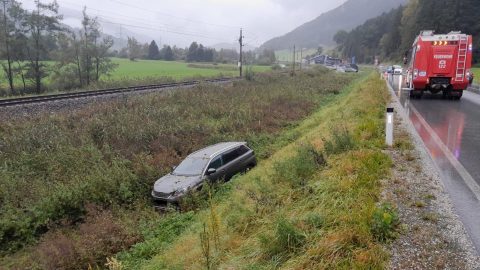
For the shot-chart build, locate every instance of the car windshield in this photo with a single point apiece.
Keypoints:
(191, 166)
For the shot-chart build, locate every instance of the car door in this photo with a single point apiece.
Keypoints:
(217, 164)
(234, 161)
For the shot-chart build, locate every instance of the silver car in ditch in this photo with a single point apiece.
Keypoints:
(217, 162)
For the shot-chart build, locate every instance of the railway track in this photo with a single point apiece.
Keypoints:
(94, 93)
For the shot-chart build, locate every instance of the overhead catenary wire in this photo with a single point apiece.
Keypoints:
(111, 18)
(160, 30)
(172, 16)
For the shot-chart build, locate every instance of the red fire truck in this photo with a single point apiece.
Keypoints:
(440, 63)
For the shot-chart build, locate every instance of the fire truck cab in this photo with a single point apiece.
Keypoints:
(440, 63)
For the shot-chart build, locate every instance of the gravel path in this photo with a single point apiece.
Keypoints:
(432, 236)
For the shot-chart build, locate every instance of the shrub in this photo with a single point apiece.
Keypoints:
(286, 240)
(249, 74)
(315, 220)
(298, 169)
(385, 223)
(341, 141)
(100, 236)
(65, 78)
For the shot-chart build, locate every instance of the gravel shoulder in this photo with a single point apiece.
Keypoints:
(431, 234)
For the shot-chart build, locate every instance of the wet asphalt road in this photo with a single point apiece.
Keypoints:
(451, 132)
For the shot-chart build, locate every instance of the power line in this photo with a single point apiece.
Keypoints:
(170, 15)
(133, 19)
(160, 30)
(143, 24)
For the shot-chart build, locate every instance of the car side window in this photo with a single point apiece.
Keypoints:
(215, 163)
(234, 154)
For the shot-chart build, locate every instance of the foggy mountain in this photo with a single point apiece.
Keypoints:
(119, 34)
(321, 30)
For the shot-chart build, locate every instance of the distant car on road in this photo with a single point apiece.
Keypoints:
(217, 162)
(397, 70)
(351, 68)
(390, 70)
(332, 67)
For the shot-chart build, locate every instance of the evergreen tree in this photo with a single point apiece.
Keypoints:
(153, 52)
(168, 53)
(192, 54)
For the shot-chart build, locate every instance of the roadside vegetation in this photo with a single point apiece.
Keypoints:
(70, 179)
(476, 71)
(314, 204)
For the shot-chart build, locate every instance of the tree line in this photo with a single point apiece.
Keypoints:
(391, 35)
(196, 52)
(30, 38)
(38, 51)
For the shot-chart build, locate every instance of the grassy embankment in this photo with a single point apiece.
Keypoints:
(148, 71)
(75, 186)
(476, 71)
(312, 205)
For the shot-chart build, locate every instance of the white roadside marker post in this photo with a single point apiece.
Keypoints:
(389, 128)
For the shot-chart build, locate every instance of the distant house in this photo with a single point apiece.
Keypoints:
(317, 60)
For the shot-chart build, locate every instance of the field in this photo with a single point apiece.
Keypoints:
(311, 205)
(287, 55)
(176, 70)
(149, 71)
(75, 186)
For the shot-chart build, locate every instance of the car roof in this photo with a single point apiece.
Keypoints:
(213, 150)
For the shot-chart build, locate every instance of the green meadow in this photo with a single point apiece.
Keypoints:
(146, 71)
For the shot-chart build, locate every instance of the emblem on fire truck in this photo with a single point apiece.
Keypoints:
(442, 64)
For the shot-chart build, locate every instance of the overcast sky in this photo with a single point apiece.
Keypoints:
(179, 22)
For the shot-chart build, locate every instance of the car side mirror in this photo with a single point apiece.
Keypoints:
(211, 171)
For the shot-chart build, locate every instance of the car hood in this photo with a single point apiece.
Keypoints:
(171, 183)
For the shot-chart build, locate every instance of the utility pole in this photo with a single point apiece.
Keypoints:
(293, 59)
(240, 62)
(301, 58)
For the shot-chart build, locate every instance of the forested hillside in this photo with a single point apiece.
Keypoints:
(321, 30)
(391, 34)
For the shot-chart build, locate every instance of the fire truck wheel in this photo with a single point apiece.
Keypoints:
(459, 95)
(445, 94)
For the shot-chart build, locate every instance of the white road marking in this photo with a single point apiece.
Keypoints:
(467, 178)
